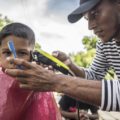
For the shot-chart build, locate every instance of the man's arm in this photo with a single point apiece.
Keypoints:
(96, 71)
(35, 77)
(85, 90)
(78, 71)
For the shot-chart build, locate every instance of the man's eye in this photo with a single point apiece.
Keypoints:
(96, 14)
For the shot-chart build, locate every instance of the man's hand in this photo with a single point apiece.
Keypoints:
(62, 57)
(77, 71)
(33, 77)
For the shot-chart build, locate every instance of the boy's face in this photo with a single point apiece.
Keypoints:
(22, 48)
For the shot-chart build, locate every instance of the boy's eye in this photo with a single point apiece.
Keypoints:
(22, 53)
(6, 53)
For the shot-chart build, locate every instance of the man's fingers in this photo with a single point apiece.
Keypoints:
(20, 62)
(16, 72)
(22, 80)
(55, 53)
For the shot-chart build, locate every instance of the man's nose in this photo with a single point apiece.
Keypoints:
(92, 24)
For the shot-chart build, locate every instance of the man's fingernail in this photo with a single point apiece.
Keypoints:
(55, 53)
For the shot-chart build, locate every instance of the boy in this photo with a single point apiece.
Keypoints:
(18, 104)
(24, 41)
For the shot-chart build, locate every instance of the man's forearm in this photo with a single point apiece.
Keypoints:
(84, 90)
(78, 71)
(35, 77)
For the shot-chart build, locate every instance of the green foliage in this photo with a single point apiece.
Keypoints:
(110, 75)
(4, 21)
(37, 46)
(89, 42)
(84, 58)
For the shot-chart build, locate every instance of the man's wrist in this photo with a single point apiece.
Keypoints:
(71, 64)
(59, 83)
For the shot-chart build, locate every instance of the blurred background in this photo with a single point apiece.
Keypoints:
(48, 19)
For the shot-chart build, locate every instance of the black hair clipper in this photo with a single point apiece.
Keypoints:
(43, 57)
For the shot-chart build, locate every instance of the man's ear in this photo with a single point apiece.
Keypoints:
(117, 5)
(117, 1)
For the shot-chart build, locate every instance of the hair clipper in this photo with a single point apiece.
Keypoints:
(45, 58)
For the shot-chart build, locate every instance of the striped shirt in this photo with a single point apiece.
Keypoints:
(107, 55)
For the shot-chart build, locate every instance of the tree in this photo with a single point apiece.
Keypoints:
(37, 46)
(89, 42)
(84, 58)
(4, 20)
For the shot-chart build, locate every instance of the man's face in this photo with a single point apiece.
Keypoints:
(22, 50)
(103, 20)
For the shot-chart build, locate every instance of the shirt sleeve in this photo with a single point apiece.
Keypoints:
(99, 66)
(110, 100)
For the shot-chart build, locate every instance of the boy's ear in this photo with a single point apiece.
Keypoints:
(0, 60)
(31, 56)
(0, 55)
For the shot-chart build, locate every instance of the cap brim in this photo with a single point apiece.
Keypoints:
(78, 13)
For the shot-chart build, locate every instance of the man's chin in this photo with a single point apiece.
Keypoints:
(105, 40)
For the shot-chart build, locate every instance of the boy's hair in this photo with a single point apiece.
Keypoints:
(18, 30)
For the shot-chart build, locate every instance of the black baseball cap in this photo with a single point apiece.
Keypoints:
(85, 5)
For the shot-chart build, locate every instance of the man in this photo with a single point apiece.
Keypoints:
(104, 19)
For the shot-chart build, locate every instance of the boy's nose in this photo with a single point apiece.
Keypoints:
(12, 56)
(10, 63)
